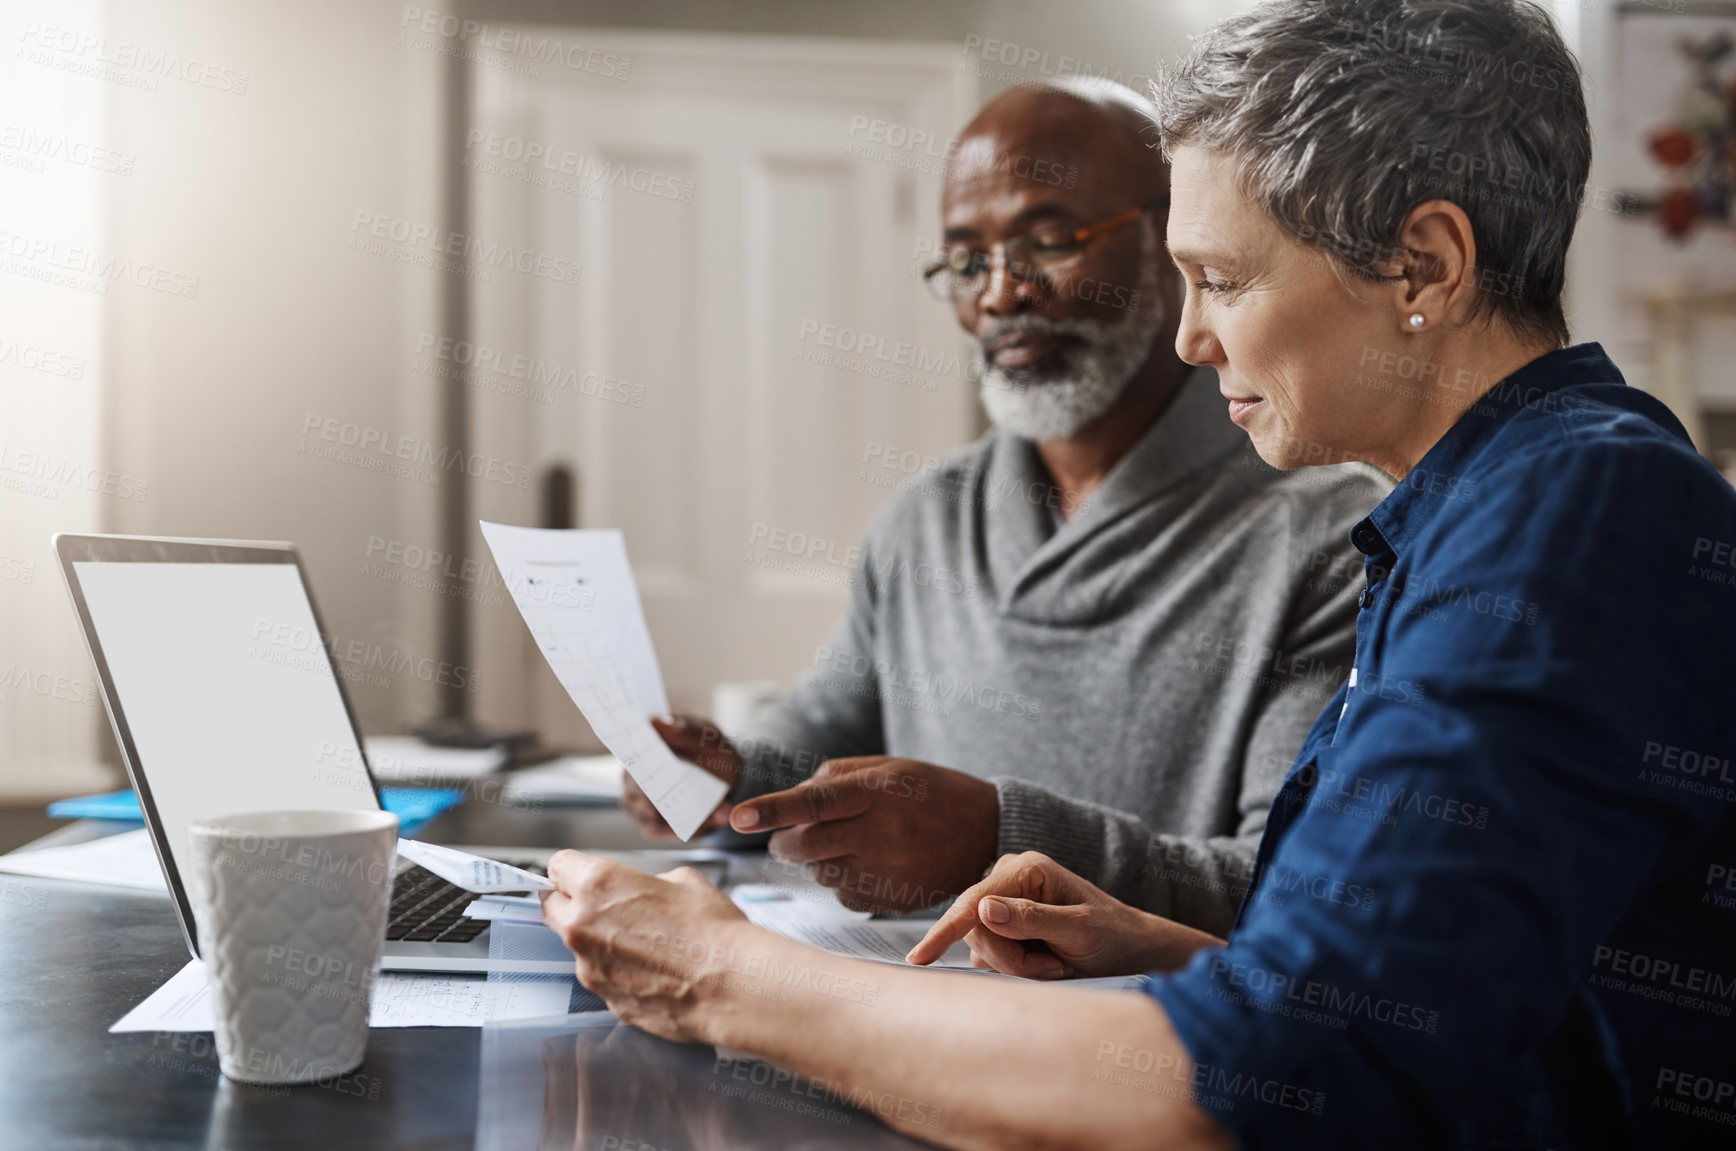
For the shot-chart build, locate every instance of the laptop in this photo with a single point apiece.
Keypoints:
(219, 682)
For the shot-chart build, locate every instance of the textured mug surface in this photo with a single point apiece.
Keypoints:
(290, 908)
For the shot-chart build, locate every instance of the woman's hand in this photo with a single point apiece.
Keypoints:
(1030, 898)
(949, 1060)
(653, 946)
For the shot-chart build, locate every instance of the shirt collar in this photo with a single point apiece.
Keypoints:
(1441, 473)
(1192, 433)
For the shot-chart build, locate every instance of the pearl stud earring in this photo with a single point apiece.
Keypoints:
(1417, 319)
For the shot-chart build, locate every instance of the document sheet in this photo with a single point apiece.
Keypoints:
(507, 908)
(844, 932)
(828, 926)
(575, 780)
(399, 1000)
(406, 759)
(471, 872)
(576, 593)
(124, 860)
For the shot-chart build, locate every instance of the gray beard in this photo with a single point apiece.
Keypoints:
(1058, 402)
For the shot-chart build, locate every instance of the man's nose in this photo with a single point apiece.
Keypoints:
(1004, 293)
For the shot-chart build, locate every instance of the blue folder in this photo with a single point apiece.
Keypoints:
(414, 806)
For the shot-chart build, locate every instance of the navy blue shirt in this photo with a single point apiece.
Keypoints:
(1495, 904)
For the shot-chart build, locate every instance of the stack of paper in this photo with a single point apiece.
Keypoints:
(572, 779)
(406, 759)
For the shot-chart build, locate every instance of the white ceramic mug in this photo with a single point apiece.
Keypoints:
(291, 915)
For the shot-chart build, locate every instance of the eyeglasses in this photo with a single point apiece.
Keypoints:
(1030, 256)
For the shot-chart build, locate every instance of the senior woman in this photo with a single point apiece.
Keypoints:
(1489, 908)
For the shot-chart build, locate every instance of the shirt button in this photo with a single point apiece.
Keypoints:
(1366, 598)
(1363, 537)
(1307, 776)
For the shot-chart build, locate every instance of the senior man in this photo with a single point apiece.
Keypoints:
(1140, 619)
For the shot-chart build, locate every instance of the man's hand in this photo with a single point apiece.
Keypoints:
(1083, 931)
(650, 945)
(697, 741)
(888, 834)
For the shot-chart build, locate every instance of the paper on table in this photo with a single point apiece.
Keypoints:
(508, 908)
(471, 872)
(576, 594)
(406, 759)
(399, 1000)
(844, 932)
(571, 779)
(124, 860)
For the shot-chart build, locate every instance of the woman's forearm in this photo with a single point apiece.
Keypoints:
(1171, 945)
(961, 1060)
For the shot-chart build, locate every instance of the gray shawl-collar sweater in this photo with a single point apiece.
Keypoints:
(1135, 681)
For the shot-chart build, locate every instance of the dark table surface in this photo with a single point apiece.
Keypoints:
(74, 958)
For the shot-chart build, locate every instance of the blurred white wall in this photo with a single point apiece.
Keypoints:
(57, 173)
(298, 342)
(216, 307)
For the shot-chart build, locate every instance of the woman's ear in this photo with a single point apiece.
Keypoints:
(1440, 270)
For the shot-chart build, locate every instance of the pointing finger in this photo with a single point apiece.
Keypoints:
(813, 801)
(953, 925)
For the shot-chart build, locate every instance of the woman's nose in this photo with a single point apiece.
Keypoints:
(1194, 342)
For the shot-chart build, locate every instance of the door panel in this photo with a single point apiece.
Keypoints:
(738, 243)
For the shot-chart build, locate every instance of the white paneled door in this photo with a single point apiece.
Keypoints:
(744, 343)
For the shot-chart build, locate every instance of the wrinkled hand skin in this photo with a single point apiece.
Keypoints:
(1029, 899)
(646, 943)
(887, 834)
(697, 741)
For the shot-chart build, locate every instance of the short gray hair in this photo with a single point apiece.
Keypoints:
(1346, 114)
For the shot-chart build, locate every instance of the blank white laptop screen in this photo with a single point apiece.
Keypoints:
(225, 683)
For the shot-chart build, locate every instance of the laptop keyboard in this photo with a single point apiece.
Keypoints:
(428, 909)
